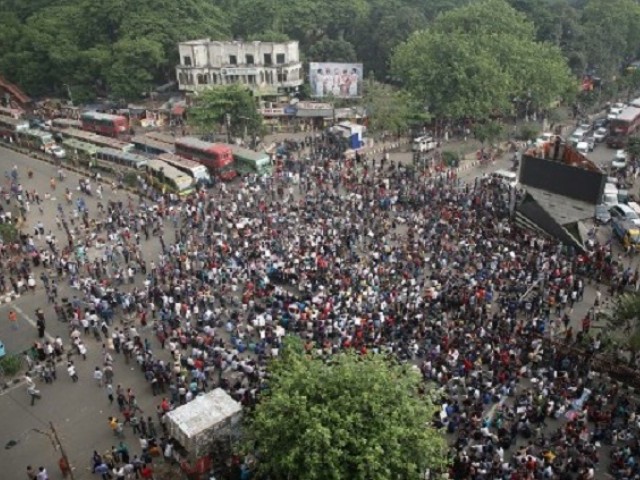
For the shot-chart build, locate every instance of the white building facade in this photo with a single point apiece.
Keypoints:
(268, 68)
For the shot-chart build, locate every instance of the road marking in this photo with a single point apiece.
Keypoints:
(32, 322)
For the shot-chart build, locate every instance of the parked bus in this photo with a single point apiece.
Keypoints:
(104, 123)
(11, 112)
(215, 156)
(81, 151)
(36, 139)
(627, 122)
(151, 146)
(250, 162)
(62, 123)
(166, 174)
(161, 137)
(195, 170)
(124, 159)
(95, 139)
(10, 127)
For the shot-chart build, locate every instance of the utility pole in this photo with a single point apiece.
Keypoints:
(57, 444)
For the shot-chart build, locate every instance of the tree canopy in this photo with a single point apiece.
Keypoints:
(231, 105)
(347, 417)
(48, 44)
(476, 60)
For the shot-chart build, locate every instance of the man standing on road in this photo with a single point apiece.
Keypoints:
(42, 474)
(13, 319)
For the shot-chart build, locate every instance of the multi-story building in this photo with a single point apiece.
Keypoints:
(268, 68)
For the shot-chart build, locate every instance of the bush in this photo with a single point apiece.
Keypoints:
(11, 365)
(527, 133)
(450, 159)
(131, 179)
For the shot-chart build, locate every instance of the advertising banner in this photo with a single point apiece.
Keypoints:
(340, 80)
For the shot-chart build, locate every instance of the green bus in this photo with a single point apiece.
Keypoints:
(84, 153)
(250, 162)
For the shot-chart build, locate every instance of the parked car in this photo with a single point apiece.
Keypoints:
(576, 137)
(624, 212)
(602, 215)
(601, 134)
(621, 154)
(615, 110)
(585, 127)
(600, 123)
(57, 151)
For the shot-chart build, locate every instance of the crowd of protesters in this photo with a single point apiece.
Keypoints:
(361, 254)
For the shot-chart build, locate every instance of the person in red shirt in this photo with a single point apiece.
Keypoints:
(146, 472)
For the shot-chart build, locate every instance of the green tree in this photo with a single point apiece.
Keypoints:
(327, 50)
(474, 60)
(388, 109)
(231, 103)
(623, 323)
(346, 417)
(487, 131)
(131, 74)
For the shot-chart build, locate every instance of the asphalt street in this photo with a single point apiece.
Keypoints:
(80, 410)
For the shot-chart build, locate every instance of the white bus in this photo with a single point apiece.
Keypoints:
(166, 174)
(125, 159)
(195, 170)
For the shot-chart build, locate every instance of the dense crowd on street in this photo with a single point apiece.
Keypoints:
(359, 254)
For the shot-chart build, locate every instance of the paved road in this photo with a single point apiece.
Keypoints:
(80, 410)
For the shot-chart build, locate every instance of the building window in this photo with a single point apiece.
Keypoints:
(281, 77)
(280, 58)
(203, 79)
(233, 60)
(190, 81)
(267, 59)
(214, 78)
(186, 60)
(261, 77)
(252, 79)
(182, 78)
(249, 59)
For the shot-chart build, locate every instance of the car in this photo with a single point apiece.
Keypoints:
(600, 123)
(602, 215)
(618, 163)
(600, 134)
(576, 137)
(621, 154)
(57, 151)
(585, 127)
(615, 110)
(624, 212)
(545, 138)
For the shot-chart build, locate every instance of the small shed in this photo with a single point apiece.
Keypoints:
(196, 425)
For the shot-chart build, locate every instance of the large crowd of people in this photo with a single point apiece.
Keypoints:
(361, 254)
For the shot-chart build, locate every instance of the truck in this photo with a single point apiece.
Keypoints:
(197, 425)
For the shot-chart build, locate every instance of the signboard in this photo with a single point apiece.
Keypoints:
(272, 112)
(313, 106)
(340, 80)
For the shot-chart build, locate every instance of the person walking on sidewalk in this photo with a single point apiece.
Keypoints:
(97, 375)
(13, 319)
(71, 369)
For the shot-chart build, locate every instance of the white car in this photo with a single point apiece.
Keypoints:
(615, 110)
(601, 134)
(57, 151)
(621, 155)
(620, 160)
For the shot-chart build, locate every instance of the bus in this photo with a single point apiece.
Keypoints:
(167, 175)
(250, 162)
(161, 137)
(10, 127)
(36, 139)
(104, 123)
(124, 159)
(11, 112)
(626, 123)
(195, 170)
(83, 152)
(95, 139)
(151, 146)
(62, 123)
(215, 156)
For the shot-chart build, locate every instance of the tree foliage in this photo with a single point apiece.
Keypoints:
(388, 109)
(211, 108)
(475, 60)
(623, 323)
(48, 44)
(347, 417)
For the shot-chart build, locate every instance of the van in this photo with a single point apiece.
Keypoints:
(635, 207)
(610, 195)
(424, 144)
(507, 176)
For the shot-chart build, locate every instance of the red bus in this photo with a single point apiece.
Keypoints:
(216, 157)
(627, 122)
(104, 123)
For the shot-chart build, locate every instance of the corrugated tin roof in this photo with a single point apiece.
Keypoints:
(204, 412)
